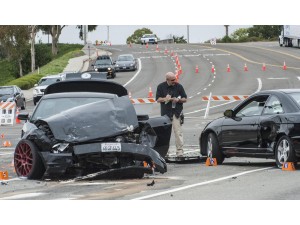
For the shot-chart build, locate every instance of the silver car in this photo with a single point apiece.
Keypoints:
(125, 62)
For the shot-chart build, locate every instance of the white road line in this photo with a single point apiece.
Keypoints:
(201, 184)
(135, 75)
(277, 78)
(298, 78)
(7, 153)
(21, 196)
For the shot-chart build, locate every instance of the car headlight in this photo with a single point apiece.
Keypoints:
(35, 91)
(131, 64)
(108, 68)
(117, 65)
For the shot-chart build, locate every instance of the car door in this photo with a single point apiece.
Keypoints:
(241, 131)
(270, 123)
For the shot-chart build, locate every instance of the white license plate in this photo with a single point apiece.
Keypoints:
(110, 147)
(124, 67)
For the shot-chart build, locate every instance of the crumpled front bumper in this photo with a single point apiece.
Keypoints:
(59, 162)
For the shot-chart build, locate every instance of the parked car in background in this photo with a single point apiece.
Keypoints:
(13, 94)
(265, 125)
(90, 126)
(44, 82)
(125, 62)
(104, 64)
(148, 38)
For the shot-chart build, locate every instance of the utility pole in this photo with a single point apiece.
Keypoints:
(188, 34)
(84, 34)
(107, 33)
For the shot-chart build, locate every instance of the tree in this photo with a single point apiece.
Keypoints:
(240, 35)
(55, 31)
(136, 36)
(15, 41)
(33, 29)
(179, 39)
(265, 31)
(90, 29)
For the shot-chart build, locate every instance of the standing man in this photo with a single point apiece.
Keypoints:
(171, 96)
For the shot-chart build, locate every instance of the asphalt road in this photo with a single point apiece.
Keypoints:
(236, 179)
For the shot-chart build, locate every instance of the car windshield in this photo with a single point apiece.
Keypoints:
(125, 58)
(6, 90)
(103, 62)
(51, 106)
(48, 81)
(296, 97)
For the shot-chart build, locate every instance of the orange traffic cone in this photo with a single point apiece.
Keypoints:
(130, 44)
(17, 113)
(147, 45)
(166, 51)
(2, 136)
(264, 67)
(245, 67)
(288, 166)
(157, 48)
(212, 68)
(197, 69)
(211, 161)
(6, 144)
(228, 68)
(172, 53)
(150, 94)
(177, 77)
(284, 66)
(3, 175)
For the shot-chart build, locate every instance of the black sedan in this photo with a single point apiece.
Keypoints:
(266, 125)
(89, 126)
(13, 94)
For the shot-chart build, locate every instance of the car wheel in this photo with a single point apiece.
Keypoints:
(213, 148)
(27, 161)
(24, 105)
(284, 151)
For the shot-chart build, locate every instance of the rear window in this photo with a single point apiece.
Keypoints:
(48, 81)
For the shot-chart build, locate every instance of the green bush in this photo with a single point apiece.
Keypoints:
(9, 70)
(54, 67)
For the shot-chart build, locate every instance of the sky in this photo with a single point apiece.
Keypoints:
(117, 34)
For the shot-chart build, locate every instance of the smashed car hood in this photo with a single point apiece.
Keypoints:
(106, 118)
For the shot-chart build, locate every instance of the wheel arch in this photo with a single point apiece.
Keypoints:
(203, 140)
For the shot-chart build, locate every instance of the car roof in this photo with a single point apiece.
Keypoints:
(285, 91)
(99, 86)
(101, 57)
(53, 76)
(79, 94)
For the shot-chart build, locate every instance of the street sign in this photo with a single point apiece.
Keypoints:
(89, 49)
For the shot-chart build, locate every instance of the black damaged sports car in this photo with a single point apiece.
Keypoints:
(88, 126)
(266, 125)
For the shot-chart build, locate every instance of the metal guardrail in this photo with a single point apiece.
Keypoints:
(166, 41)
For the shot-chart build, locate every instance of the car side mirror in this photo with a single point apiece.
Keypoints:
(228, 113)
(35, 85)
(23, 116)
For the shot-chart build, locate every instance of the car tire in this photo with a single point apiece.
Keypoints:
(27, 160)
(213, 148)
(284, 151)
